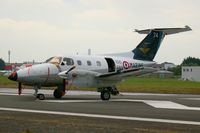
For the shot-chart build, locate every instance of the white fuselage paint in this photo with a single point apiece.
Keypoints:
(46, 74)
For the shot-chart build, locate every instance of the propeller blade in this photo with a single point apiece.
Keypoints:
(70, 69)
(64, 86)
(19, 88)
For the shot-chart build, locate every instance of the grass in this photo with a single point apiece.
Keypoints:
(156, 85)
(141, 85)
(5, 82)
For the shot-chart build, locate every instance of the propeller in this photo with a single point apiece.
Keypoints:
(64, 86)
(65, 82)
(70, 69)
(19, 88)
(64, 74)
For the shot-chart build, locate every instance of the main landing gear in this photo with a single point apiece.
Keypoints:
(60, 91)
(105, 92)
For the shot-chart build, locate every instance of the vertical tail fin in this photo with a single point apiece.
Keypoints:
(147, 49)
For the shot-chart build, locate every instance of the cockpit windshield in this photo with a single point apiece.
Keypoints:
(54, 60)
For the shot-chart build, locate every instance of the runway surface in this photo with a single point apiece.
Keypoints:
(84, 111)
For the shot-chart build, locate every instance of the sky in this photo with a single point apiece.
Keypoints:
(39, 29)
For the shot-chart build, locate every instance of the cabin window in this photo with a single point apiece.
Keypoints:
(68, 61)
(79, 62)
(98, 63)
(89, 63)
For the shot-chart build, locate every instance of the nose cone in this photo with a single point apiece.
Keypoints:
(13, 76)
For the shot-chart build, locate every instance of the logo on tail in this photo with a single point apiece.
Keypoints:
(149, 46)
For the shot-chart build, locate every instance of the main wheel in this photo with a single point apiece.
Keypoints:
(57, 93)
(105, 95)
(40, 96)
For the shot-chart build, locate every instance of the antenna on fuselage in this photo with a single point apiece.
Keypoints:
(89, 51)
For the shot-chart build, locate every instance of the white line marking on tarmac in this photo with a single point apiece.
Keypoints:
(14, 94)
(162, 104)
(153, 103)
(191, 98)
(102, 116)
(70, 101)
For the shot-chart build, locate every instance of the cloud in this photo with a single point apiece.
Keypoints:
(9, 24)
(31, 37)
(39, 29)
(99, 15)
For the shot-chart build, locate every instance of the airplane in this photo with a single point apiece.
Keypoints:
(97, 71)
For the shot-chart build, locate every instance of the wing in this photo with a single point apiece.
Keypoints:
(127, 73)
(110, 77)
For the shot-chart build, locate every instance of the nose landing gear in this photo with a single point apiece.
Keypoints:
(39, 96)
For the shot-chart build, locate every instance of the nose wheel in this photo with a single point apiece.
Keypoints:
(40, 96)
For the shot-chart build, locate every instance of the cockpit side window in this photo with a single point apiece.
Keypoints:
(47, 61)
(54, 60)
(68, 61)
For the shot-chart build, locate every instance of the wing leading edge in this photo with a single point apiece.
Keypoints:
(127, 73)
(166, 31)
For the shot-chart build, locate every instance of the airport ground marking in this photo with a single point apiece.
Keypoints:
(162, 104)
(153, 103)
(102, 116)
(195, 99)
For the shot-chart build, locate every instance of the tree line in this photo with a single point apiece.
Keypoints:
(189, 61)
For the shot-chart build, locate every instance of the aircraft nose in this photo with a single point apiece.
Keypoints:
(13, 76)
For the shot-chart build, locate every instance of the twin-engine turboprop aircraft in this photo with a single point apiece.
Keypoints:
(102, 72)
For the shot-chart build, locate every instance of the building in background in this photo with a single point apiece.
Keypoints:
(164, 66)
(167, 65)
(191, 73)
(162, 74)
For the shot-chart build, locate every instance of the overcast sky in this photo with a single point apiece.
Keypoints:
(39, 29)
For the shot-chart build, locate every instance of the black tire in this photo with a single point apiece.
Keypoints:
(105, 95)
(57, 93)
(40, 96)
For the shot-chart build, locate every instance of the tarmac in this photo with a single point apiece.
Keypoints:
(84, 111)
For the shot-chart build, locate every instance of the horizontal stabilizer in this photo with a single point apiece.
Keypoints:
(166, 31)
